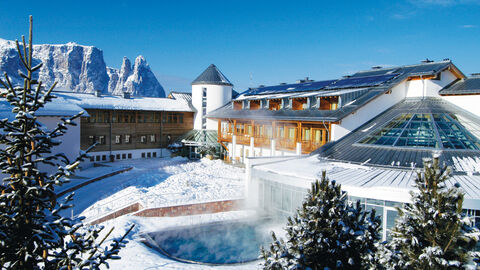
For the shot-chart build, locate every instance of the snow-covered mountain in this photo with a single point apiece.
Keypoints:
(81, 68)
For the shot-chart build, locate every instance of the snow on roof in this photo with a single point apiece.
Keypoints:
(57, 107)
(362, 180)
(108, 102)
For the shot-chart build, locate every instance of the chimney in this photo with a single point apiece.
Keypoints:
(126, 95)
(427, 61)
(98, 93)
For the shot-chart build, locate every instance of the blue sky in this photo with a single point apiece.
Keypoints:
(257, 42)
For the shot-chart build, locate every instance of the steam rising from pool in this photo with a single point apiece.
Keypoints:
(215, 243)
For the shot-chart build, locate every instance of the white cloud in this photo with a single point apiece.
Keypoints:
(469, 26)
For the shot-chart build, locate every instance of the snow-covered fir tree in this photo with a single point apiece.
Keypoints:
(33, 235)
(327, 232)
(431, 232)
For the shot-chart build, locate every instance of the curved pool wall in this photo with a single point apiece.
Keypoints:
(281, 195)
(216, 243)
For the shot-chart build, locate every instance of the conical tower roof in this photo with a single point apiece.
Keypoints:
(212, 75)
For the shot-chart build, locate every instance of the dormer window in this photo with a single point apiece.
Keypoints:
(299, 104)
(237, 105)
(274, 104)
(329, 103)
(255, 104)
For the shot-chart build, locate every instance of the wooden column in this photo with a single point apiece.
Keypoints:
(235, 127)
(299, 132)
(253, 129)
(219, 130)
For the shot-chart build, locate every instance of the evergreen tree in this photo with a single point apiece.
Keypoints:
(328, 232)
(33, 235)
(431, 232)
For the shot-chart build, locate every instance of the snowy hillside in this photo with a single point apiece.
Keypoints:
(81, 68)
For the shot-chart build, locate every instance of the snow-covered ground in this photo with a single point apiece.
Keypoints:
(159, 182)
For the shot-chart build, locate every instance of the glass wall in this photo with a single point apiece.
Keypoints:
(282, 200)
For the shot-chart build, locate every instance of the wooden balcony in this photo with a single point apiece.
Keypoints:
(310, 146)
(287, 134)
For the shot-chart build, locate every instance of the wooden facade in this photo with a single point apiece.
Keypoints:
(287, 134)
(115, 130)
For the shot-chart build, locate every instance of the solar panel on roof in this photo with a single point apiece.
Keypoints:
(287, 88)
(361, 81)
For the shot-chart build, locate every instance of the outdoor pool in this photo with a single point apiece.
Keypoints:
(214, 243)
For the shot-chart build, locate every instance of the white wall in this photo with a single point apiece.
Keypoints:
(429, 88)
(197, 104)
(70, 145)
(470, 103)
(413, 88)
(368, 111)
(217, 96)
(135, 154)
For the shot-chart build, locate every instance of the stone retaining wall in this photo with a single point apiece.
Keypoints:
(127, 210)
(191, 209)
(174, 211)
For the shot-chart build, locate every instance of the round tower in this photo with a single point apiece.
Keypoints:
(210, 91)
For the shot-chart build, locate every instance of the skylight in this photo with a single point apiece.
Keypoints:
(426, 130)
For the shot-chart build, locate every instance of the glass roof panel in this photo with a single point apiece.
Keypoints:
(425, 130)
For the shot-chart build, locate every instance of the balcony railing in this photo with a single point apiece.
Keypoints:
(310, 146)
(265, 142)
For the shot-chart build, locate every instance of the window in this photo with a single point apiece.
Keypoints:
(143, 155)
(118, 139)
(104, 157)
(92, 159)
(127, 138)
(154, 154)
(101, 139)
(97, 158)
(91, 139)
(129, 155)
(118, 156)
(152, 138)
(438, 130)
(149, 155)
(124, 156)
(172, 118)
(143, 139)
(306, 134)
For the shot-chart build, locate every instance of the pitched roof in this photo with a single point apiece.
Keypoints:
(109, 102)
(212, 75)
(467, 86)
(57, 107)
(356, 91)
(351, 148)
(391, 184)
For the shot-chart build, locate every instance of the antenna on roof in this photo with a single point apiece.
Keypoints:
(427, 61)
(446, 59)
(376, 67)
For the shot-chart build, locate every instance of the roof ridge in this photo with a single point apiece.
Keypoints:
(404, 66)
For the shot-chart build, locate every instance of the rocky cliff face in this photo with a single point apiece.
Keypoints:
(82, 69)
